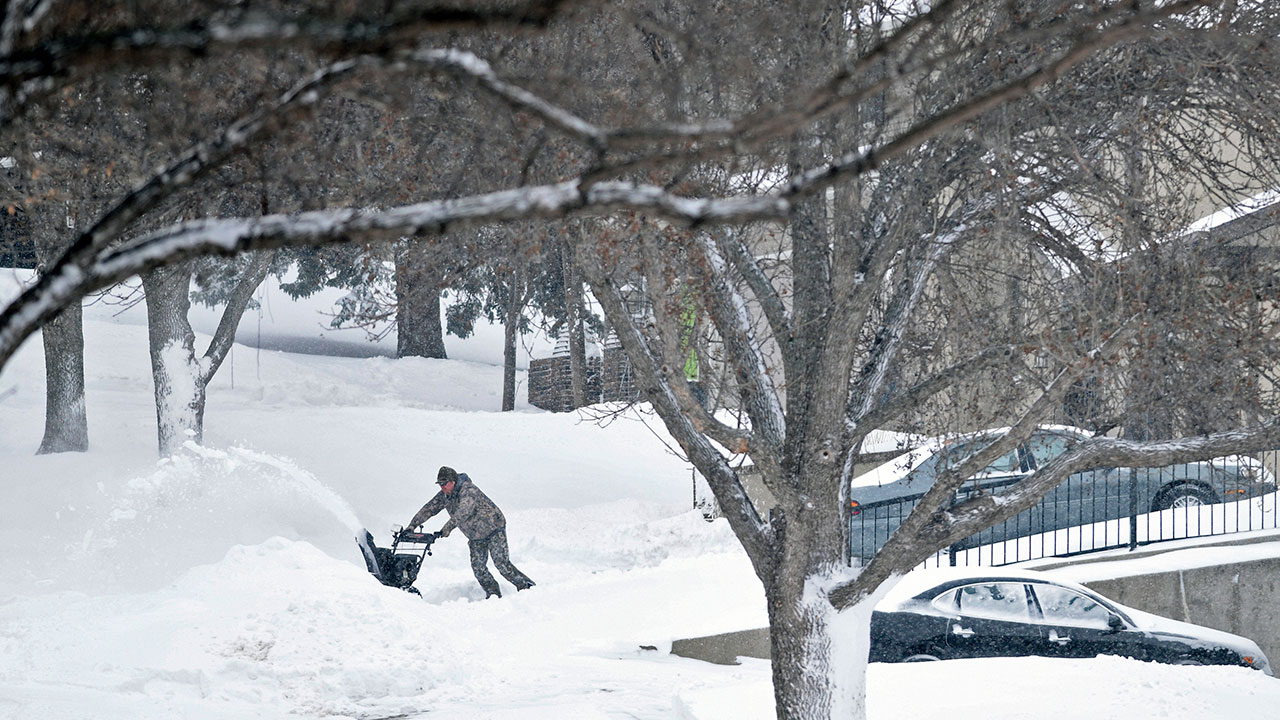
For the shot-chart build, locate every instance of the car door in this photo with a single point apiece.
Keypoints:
(1075, 625)
(994, 620)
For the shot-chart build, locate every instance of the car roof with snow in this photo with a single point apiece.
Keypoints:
(916, 582)
(904, 463)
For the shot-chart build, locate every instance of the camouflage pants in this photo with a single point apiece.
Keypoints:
(496, 545)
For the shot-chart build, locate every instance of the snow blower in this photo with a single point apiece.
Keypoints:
(392, 568)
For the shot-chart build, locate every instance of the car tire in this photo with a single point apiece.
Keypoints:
(1182, 496)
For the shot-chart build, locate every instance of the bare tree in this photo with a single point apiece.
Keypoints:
(924, 160)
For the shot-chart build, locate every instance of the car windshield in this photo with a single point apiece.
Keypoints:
(953, 455)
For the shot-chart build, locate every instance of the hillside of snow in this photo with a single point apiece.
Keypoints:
(225, 582)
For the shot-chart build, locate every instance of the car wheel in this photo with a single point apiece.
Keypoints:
(1182, 496)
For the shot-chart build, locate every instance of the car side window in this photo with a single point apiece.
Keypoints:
(946, 602)
(1045, 447)
(995, 601)
(1062, 606)
(1009, 463)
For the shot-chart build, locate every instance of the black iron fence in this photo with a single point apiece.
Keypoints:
(1100, 509)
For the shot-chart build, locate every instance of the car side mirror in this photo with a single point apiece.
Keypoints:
(1115, 623)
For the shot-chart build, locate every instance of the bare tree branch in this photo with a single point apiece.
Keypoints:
(756, 536)
(775, 311)
(856, 163)
(225, 335)
(70, 56)
(733, 320)
(926, 528)
(877, 415)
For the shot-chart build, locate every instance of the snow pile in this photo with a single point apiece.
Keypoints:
(278, 625)
(139, 533)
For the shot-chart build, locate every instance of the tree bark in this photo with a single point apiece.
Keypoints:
(418, 284)
(66, 426)
(515, 309)
(573, 319)
(179, 391)
(182, 379)
(818, 655)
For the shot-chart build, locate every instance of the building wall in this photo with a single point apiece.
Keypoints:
(608, 379)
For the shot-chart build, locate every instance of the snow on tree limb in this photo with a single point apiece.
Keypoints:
(541, 201)
(733, 319)
(79, 273)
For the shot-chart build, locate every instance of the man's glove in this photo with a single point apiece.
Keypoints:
(442, 533)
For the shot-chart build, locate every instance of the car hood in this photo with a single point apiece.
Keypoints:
(1198, 635)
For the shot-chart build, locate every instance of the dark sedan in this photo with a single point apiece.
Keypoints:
(883, 497)
(946, 614)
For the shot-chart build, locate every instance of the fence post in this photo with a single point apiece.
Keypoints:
(1133, 508)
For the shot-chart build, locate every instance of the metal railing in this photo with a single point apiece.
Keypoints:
(1100, 509)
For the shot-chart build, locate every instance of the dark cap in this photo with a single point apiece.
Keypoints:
(445, 475)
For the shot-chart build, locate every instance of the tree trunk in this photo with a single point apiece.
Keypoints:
(515, 309)
(418, 329)
(66, 427)
(819, 655)
(179, 390)
(573, 318)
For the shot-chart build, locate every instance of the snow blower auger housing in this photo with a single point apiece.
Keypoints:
(392, 568)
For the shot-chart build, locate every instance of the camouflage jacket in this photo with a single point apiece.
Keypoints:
(469, 510)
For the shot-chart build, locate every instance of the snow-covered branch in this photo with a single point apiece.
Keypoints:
(76, 274)
(671, 345)
(733, 320)
(737, 252)
(885, 350)
(20, 18)
(985, 510)
(225, 335)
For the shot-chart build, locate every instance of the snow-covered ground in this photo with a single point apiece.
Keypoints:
(225, 583)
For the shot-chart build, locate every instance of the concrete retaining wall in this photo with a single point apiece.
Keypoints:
(1238, 597)
(1241, 598)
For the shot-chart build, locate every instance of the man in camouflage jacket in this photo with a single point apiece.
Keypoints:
(481, 521)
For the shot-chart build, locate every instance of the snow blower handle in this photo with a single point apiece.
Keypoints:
(408, 536)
